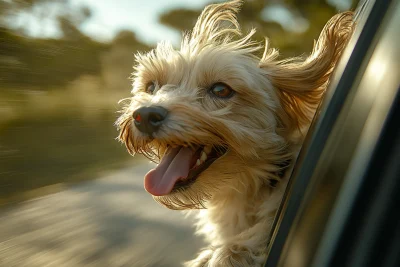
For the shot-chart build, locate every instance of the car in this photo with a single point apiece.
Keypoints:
(341, 204)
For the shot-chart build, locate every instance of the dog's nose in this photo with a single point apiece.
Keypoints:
(149, 119)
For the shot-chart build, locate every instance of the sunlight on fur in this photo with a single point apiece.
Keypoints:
(225, 126)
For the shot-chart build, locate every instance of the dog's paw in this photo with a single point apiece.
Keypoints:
(228, 257)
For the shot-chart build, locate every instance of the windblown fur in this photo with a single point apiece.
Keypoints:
(262, 125)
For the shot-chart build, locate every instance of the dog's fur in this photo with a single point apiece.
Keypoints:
(262, 124)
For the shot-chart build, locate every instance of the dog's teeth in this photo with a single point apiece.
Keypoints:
(203, 156)
(207, 149)
(198, 163)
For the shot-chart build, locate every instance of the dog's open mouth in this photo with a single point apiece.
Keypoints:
(179, 168)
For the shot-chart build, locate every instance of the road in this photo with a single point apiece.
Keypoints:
(108, 222)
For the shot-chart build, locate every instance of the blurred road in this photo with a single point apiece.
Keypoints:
(107, 222)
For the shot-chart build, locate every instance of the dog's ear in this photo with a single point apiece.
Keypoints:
(216, 22)
(300, 83)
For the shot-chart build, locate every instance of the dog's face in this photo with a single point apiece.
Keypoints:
(212, 118)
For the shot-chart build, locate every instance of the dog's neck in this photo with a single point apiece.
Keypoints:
(232, 215)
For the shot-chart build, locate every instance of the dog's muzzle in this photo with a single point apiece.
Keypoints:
(149, 119)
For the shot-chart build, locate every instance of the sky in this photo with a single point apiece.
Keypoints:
(111, 16)
(137, 15)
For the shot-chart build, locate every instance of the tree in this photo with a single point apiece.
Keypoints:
(259, 14)
(49, 63)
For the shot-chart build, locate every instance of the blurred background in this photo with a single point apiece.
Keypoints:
(70, 195)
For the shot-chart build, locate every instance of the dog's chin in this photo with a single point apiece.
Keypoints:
(188, 198)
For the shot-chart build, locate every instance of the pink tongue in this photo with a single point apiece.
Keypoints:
(174, 165)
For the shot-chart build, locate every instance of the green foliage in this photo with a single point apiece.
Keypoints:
(9, 6)
(289, 42)
(180, 19)
(46, 62)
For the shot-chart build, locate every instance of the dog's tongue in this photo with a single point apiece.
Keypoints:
(174, 165)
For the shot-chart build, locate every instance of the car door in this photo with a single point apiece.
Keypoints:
(340, 205)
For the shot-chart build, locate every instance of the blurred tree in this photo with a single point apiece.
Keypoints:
(69, 29)
(9, 8)
(46, 63)
(69, 22)
(6, 6)
(180, 19)
(291, 25)
(118, 61)
(51, 63)
(128, 39)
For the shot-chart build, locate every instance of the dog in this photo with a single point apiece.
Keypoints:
(225, 126)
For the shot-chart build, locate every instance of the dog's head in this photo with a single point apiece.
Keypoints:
(216, 117)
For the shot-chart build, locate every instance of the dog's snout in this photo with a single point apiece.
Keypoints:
(149, 119)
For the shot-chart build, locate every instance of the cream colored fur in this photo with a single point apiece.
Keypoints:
(262, 125)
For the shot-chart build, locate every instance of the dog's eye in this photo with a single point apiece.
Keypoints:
(150, 88)
(221, 90)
